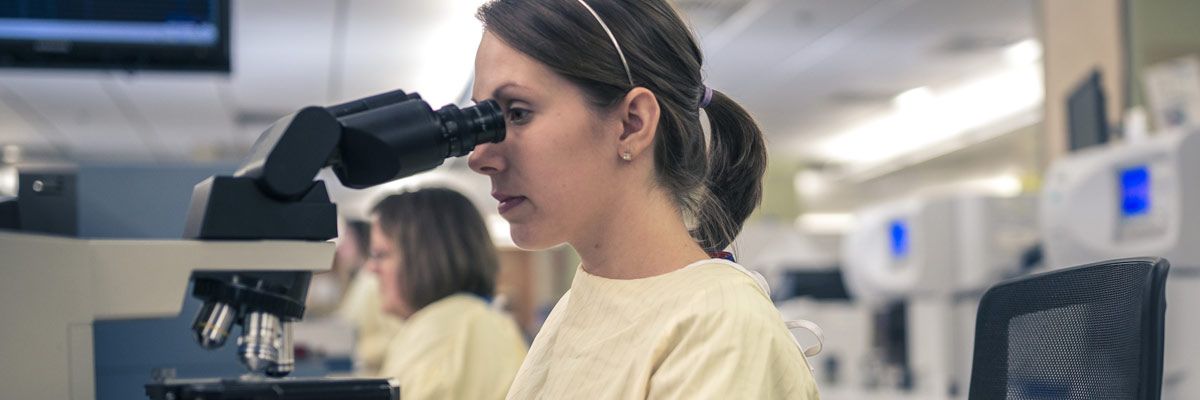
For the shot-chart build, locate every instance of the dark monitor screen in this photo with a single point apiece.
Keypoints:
(1086, 119)
(121, 34)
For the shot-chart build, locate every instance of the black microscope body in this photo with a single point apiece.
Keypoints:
(273, 196)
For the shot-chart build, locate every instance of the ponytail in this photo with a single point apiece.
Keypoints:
(737, 159)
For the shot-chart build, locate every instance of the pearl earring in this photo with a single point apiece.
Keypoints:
(625, 155)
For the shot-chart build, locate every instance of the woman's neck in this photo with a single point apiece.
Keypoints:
(640, 237)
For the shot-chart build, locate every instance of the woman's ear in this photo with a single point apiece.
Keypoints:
(639, 122)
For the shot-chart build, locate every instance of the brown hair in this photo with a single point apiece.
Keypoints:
(719, 186)
(361, 230)
(444, 245)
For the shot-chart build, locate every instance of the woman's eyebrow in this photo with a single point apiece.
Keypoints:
(502, 91)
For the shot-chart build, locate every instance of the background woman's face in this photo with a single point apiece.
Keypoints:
(554, 172)
(385, 262)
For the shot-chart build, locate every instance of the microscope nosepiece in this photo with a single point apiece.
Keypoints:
(286, 361)
(260, 341)
(212, 324)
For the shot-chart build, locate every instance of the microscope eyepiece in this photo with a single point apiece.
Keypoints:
(400, 139)
(464, 128)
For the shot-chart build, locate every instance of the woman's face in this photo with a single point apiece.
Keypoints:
(555, 173)
(347, 257)
(385, 262)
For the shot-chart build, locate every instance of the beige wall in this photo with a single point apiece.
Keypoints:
(1160, 30)
(1077, 36)
(779, 195)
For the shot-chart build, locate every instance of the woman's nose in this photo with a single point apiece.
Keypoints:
(486, 159)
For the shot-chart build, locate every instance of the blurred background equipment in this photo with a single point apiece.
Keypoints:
(921, 264)
(1086, 118)
(1132, 199)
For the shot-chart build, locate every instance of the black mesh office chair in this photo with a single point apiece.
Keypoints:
(1088, 332)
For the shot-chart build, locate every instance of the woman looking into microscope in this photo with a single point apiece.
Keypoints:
(605, 151)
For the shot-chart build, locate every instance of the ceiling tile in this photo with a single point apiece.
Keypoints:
(281, 53)
(81, 107)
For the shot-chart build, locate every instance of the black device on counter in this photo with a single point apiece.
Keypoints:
(273, 196)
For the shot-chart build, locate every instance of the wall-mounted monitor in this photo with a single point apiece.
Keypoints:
(189, 35)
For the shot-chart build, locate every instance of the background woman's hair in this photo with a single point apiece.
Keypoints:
(362, 235)
(718, 186)
(443, 244)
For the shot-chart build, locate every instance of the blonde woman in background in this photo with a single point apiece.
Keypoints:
(437, 271)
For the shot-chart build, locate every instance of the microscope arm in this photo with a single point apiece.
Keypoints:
(367, 142)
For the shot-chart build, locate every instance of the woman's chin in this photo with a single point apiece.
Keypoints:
(528, 238)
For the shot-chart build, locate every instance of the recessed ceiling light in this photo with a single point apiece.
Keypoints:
(914, 98)
(1025, 52)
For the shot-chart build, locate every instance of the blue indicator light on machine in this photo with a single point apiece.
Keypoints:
(899, 233)
(1135, 191)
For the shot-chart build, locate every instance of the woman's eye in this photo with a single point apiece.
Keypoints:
(518, 115)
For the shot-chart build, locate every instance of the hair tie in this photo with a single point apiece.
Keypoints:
(707, 97)
(722, 255)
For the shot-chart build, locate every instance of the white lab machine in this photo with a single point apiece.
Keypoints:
(1136, 199)
(778, 249)
(936, 254)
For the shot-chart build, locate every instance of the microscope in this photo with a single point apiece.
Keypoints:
(251, 243)
(273, 196)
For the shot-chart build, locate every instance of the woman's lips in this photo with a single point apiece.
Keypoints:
(508, 202)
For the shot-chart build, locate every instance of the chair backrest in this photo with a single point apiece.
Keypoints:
(1087, 332)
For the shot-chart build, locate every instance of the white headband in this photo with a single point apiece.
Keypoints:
(614, 40)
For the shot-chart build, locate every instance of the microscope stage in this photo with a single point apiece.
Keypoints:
(273, 389)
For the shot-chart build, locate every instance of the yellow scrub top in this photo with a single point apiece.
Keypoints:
(705, 331)
(363, 307)
(455, 348)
